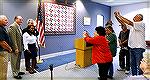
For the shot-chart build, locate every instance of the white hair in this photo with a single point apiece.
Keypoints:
(28, 21)
(2, 17)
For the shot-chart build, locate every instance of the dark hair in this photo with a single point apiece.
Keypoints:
(29, 26)
(110, 28)
(36, 33)
(15, 18)
(29, 32)
(141, 16)
(100, 30)
(109, 22)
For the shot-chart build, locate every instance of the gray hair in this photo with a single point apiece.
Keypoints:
(28, 21)
(2, 16)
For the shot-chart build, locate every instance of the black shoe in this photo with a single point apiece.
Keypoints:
(110, 77)
(21, 73)
(31, 72)
(18, 77)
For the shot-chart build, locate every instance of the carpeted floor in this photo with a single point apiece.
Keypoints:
(69, 71)
(56, 61)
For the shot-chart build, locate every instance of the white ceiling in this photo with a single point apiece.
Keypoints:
(118, 2)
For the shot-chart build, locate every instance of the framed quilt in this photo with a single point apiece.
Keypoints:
(59, 19)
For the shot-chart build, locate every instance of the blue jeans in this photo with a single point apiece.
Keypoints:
(136, 57)
(111, 70)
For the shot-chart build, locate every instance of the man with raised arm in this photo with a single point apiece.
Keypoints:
(136, 40)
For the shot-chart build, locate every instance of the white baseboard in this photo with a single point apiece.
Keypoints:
(54, 54)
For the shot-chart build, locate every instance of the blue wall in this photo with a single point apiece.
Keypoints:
(66, 42)
(58, 43)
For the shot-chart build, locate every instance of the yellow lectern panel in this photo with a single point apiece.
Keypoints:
(81, 44)
(83, 53)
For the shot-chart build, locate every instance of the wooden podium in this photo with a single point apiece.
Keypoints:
(83, 53)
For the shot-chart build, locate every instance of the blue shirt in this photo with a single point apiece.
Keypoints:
(4, 36)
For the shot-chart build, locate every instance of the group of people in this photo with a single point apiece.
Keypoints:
(15, 41)
(131, 41)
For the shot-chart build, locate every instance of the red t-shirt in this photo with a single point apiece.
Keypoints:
(100, 51)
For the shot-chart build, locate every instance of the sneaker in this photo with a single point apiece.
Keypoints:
(126, 72)
(120, 69)
(98, 78)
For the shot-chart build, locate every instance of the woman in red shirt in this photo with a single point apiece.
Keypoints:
(100, 52)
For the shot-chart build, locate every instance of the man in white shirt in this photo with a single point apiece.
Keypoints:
(136, 40)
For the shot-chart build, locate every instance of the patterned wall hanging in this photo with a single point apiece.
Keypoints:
(59, 19)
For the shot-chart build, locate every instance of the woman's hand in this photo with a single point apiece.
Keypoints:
(116, 13)
(85, 34)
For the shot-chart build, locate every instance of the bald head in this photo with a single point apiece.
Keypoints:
(18, 20)
(138, 17)
(3, 20)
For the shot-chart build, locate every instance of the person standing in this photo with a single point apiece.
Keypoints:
(124, 55)
(112, 38)
(5, 44)
(27, 60)
(101, 54)
(30, 48)
(15, 33)
(136, 40)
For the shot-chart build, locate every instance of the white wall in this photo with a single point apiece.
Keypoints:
(129, 11)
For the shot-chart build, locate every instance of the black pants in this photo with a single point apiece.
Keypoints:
(124, 55)
(103, 70)
(30, 56)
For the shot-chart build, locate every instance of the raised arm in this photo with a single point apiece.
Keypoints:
(122, 19)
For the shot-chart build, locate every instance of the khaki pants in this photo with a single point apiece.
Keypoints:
(15, 63)
(3, 65)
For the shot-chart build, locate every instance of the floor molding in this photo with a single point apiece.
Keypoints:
(54, 54)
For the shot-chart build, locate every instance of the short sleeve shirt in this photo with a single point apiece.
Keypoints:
(137, 35)
(3, 36)
(124, 36)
